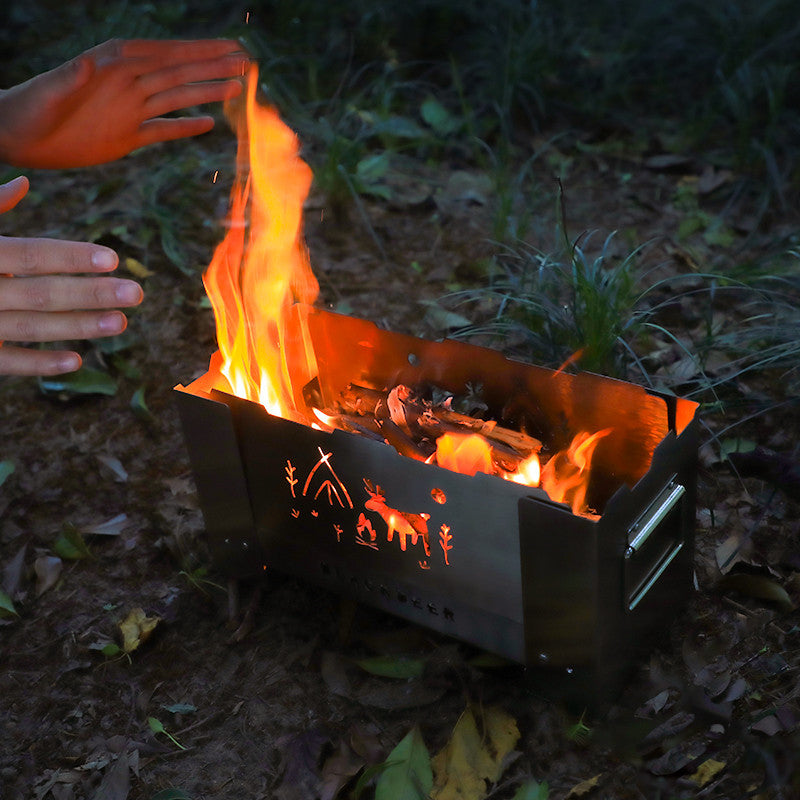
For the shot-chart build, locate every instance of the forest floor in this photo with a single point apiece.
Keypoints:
(287, 712)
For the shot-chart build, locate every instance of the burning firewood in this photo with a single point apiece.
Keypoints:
(412, 425)
(409, 411)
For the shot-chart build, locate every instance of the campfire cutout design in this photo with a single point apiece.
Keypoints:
(411, 528)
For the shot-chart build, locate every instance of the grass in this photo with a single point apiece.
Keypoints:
(697, 334)
(458, 84)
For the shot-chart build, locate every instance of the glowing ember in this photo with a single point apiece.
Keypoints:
(261, 268)
(529, 472)
(465, 453)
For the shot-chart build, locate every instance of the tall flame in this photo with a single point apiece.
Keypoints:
(261, 268)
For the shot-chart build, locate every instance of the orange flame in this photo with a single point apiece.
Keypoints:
(261, 268)
(565, 477)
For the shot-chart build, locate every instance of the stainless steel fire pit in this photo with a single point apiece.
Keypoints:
(490, 562)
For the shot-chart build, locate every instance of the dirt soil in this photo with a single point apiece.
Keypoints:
(285, 712)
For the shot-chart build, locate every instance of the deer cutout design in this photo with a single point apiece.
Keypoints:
(414, 526)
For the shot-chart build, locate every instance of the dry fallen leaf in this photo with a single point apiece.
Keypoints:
(707, 771)
(137, 268)
(471, 757)
(48, 571)
(136, 629)
(584, 787)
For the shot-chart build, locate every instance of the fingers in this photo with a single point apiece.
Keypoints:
(175, 51)
(12, 192)
(175, 75)
(60, 293)
(19, 256)
(195, 94)
(41, 326)
(164, 130)
(21, 361)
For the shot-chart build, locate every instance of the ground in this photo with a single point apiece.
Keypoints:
(285, 712)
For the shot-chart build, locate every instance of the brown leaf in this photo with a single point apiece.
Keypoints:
(770, 725)
(337, 771)
(674, 725)
(654, 705)
(334, 674)
(12, 573)
(302, 754)
(365, 741)
(116, 782)
(584, 787)
(472, 756)
(677, 758)
(48, 571)
(136, 629)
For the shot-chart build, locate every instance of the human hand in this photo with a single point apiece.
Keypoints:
(41, 302)
(111, 100)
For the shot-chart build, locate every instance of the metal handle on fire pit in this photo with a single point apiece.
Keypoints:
(643, 528)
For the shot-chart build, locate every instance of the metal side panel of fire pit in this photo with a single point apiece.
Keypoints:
(438, 548)
(599, 596)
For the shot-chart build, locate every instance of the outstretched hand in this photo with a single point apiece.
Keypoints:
(40, 301)
(112, 99)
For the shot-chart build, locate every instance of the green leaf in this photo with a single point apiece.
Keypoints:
(139, 406)
(736, 445)
(171, 794)
(6, 606)
(70, 544)
(157, 727)
(393, 666)
(180, 708)
(439, 118)
(116, 344)
(84, 381)
(489, 661)
(532, 790)
(410, 776)
(6, 469)
(108, 649)
(125, 367)
(400, 127)
(758, 586)
(372, 168)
